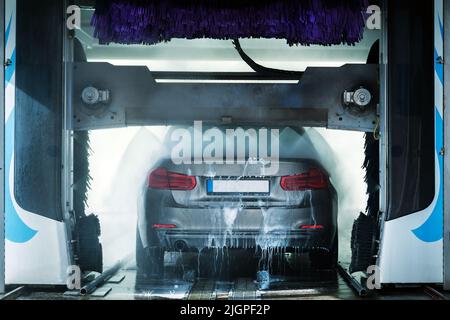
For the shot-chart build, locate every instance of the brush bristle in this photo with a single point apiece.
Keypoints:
(300, 22)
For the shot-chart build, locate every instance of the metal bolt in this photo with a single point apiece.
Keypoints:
(92, 96)
(8, 63)
(362, 97)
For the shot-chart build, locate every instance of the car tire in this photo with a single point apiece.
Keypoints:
(325, 260)
(140, 252)
(149, 261)
(155, 262)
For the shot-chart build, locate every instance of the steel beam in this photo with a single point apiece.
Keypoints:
(137, 99)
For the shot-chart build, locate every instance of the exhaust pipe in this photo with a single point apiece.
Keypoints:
(180, 246)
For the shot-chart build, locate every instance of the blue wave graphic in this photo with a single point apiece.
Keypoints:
(432, 229)
(15, 229)
(439, 67)
(9, 72)
(8, 30)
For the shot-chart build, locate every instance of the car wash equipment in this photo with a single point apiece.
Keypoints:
(304, 22)
(101, 279)
(352, 281)
(363, 244)
(90, 252)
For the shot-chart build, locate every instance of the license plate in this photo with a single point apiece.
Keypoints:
(238, 186)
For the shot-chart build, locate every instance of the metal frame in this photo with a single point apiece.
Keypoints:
(136, 99)
(447, 147)
(225, 76)
(383, 121)
(2, 147)
(67, 139)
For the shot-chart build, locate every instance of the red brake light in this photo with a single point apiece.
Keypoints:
(165, 180)
(164, 226)
(315, 227)
(314, 179)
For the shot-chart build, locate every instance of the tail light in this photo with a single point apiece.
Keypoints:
(314, 179)
(164, 226)
(166, 180)
(312, 227)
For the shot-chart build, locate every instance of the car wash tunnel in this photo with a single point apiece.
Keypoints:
(224, 150)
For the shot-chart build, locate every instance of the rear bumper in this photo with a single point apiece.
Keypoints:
(235, 226)
(254, 220)
(198, 240)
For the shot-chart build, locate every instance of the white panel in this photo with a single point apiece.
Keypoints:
(40, 257)
(412, 247)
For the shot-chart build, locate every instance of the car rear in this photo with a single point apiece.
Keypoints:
(195, 206)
